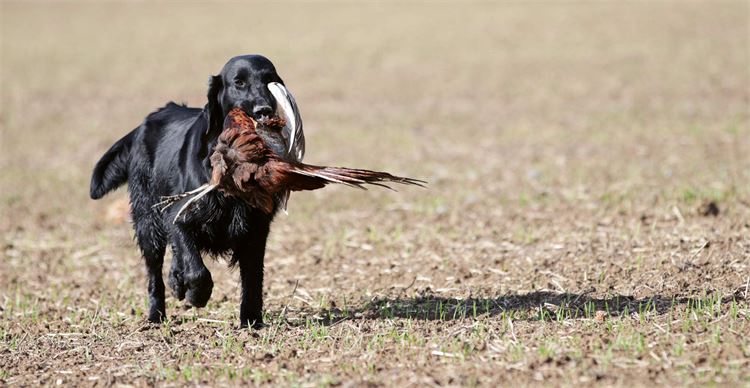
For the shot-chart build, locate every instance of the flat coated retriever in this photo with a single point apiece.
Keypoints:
(168, 154)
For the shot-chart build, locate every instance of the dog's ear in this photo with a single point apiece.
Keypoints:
(213, 107)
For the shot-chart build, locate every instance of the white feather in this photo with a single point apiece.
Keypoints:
(286, 107)
(283, 104)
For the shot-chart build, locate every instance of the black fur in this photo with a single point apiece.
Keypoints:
(169, 154)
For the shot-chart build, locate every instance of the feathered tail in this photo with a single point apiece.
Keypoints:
(309, 177)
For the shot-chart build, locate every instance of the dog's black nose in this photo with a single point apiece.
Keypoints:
(262, 110)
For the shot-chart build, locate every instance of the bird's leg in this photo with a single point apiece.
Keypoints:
(206, 189)
(169, 200)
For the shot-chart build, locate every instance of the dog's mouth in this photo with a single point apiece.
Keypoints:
(271, 122)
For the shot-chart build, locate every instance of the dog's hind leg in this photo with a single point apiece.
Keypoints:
(153, 245)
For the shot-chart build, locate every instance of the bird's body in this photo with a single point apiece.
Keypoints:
(243, 163)
(251, 162)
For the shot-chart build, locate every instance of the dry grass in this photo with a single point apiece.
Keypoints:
(570, 149)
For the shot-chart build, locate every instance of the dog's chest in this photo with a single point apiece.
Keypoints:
(228, 226)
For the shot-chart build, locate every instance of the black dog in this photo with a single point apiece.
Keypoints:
(169, 154)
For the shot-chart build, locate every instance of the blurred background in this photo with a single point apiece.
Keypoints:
(533, 97)
(574, 138)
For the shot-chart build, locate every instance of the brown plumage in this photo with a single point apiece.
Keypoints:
(245, 166)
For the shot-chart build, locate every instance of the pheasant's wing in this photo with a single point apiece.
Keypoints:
(292, 132)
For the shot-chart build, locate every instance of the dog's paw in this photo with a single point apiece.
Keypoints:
(253, 323)
(156, 316)
(199, 287)
(177, 284)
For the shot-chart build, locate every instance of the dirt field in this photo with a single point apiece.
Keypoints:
(587, 219)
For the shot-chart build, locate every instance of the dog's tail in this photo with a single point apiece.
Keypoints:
(112, 169)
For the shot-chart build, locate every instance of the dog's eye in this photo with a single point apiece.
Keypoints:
(239, 83)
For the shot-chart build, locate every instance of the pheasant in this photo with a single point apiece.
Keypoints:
(252, 162)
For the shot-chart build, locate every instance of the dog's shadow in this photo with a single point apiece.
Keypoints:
(534, 306)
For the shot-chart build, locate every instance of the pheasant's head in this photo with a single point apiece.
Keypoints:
(238, 120)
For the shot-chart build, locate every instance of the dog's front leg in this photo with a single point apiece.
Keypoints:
(196, 277)
(250, 257)
(177, 273)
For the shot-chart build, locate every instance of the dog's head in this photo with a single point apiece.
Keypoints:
(242, 83)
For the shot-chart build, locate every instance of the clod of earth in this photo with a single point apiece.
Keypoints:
(709, 209)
